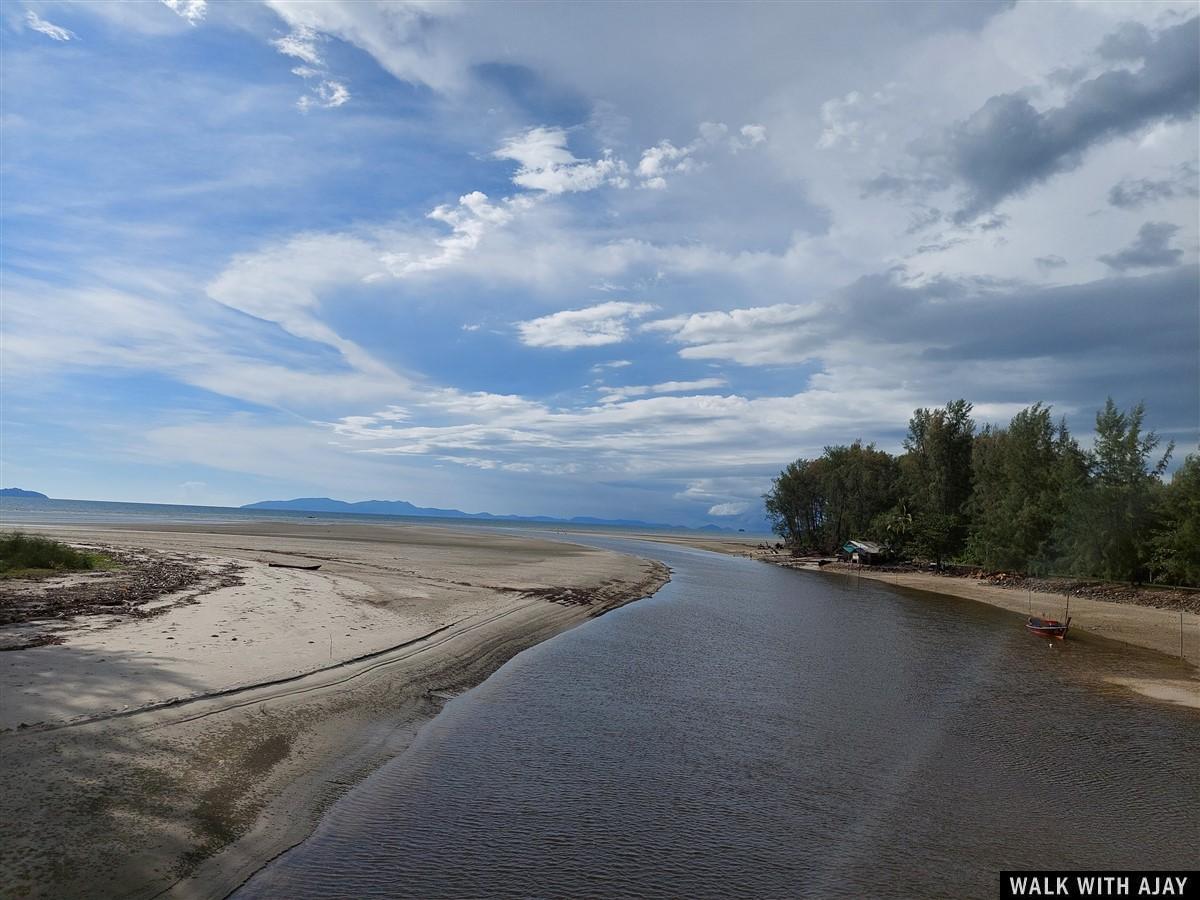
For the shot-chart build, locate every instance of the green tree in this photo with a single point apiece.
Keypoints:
(1022, 477)
(795, 505)
(859, 483)
(1175, 556)
(1109, 531)
(935, 475)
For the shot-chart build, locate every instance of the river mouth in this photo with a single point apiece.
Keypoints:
(751, 731)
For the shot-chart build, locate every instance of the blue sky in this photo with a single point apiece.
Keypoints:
(578, 259)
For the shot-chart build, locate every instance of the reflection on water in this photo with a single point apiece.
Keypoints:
(752, 731)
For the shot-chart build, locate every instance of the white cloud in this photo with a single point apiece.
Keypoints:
(752, 136)
(594, 326)
(327, 95)
(301, 43)
(783, 334)
(191, 11)
(664, 159)
(619, 394)
(851, 121)
(469, 220)
(283, 283)
(36, 23)
(547, 165)
(393, 33)
(612, 364)
(729, 509)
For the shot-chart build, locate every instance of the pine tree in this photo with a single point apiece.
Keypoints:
(1021, 477)
(936, 477)
(1175, 556)
(1108, 532)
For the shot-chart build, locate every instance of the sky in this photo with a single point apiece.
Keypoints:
(608, 259)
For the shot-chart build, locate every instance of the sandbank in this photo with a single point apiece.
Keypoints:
(173, 755)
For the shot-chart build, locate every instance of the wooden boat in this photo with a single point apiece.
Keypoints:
(307, 568)
(1051, 628)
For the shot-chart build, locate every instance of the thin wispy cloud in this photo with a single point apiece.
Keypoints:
(34, 22)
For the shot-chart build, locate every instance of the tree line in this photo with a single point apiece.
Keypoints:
(1022, 497)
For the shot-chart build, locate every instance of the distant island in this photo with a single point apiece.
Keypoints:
(404, 508)
(18, 492)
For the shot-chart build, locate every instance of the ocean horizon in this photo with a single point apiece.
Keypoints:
(16, 511)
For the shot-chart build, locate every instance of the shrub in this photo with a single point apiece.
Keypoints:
(20, 552)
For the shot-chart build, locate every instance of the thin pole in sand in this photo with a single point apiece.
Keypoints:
(1181, 634)
(331, 646)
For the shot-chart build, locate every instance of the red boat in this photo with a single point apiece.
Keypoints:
(1051, 628)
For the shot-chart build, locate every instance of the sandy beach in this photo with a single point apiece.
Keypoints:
(172, 754)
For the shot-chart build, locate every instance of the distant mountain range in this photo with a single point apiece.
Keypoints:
(17, 492)
(404, 508)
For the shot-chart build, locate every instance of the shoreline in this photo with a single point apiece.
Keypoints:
(1146, 628)
(1143, 627)
(190, 796)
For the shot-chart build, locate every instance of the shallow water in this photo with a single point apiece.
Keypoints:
(753, 731)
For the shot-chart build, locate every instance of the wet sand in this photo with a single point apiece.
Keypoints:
(179, 752)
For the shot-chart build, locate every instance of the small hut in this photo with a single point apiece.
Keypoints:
(864, 553)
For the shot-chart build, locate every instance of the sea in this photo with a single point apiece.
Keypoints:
(20, 510)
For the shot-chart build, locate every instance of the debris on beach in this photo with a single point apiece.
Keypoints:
(1137, 595)
(144, 583)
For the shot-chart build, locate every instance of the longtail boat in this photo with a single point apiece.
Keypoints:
(1051, 628)
(294, 566)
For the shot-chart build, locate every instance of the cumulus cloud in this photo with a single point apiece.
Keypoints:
(1134, 193)
(545, 163)
(661, 160)
(729, 509)
(1150, 249)
(751, 136)
(593, 326)
(469, 221)
(664, 158)
(36, 23)
(844, 120)
(191, 11)
(1008, 145)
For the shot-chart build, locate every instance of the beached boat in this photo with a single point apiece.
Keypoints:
(294, 566)
(1051, 628)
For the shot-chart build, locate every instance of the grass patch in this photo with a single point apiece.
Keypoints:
(23, 555)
